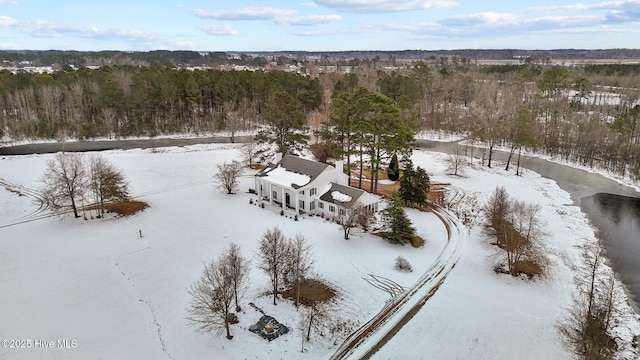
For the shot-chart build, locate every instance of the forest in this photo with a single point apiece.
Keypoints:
(585, 114)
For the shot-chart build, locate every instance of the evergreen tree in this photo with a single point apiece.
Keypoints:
(393, 171)
(286, 124)
(414, 185)
(400, 229)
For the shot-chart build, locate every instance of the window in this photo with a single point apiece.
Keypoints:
(301, 204)
(312, 205)
(312, 191)
(275, 195)
(321, 205)
(302, 192)
(332, 208)
(341, 211)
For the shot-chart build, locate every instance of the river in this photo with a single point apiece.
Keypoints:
(612, 208)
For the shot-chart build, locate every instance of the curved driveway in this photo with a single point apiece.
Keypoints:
(375, 333)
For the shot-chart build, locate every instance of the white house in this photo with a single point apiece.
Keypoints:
(304, 186)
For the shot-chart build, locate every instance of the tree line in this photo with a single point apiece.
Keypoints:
(583, 114)
(570, 113)
(133, 101)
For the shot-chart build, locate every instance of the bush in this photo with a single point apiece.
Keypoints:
(417, 242)
(403, 264)
(281, 212)
(321, 151)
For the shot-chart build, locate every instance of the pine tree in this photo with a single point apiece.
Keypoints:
(401, 230)
(414, 185)
(393, 171)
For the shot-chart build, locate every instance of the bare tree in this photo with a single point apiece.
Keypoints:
(227, 176)
(519, 231)
(238, 272)
(498, 206)
(233, 119)
(106, 182)
(298, 264)
(65, 181)
(272, 251)
(211, 298)
(248, 151)
(349, 217)
(587, 328)
(322, 317)
(457, 161)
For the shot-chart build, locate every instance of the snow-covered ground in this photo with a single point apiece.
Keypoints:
(121, 296)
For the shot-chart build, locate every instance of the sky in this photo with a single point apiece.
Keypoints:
(317, 25)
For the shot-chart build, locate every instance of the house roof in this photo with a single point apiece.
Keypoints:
(337, 194)
(293, 171)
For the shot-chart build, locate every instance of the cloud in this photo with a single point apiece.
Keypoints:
(310, 20)
(45, 29)
(277, 16)
(217, 30)
(487, 18)
(497, 24)
(483, 22)
(6, 21)
(582, 7)
(629, 12)
(248, 13)
(8, 2)
(383, 6)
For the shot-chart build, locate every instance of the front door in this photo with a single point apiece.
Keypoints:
(287, 199)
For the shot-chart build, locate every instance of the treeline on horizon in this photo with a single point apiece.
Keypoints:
(583, 114)
(259, 59)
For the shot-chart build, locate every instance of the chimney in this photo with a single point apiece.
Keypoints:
(341, 177)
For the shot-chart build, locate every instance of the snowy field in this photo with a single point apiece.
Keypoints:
(112, 294)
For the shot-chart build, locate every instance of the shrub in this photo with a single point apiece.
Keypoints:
(403, 264)
(321, 151)
(281, 212)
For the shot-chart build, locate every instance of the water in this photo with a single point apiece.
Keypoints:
(618, 217)
(612, 208)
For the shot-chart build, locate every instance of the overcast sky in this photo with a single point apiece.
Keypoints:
(317, 25)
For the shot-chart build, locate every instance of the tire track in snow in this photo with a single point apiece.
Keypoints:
(40, 213)
(374, 334)
(34, 194)
(389, 286)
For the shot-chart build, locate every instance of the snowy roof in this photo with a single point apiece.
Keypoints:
(338, 196)
(341, 195)
(295, 171)
(284, 177)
